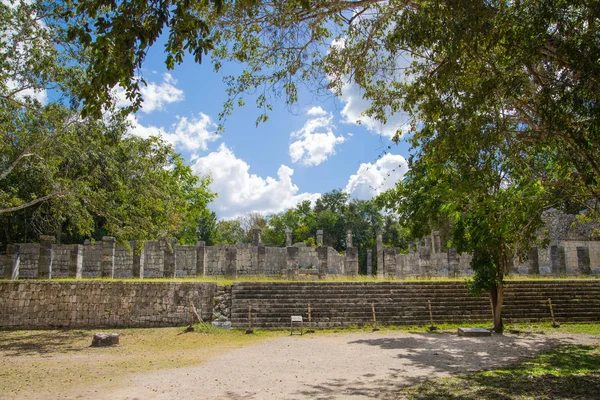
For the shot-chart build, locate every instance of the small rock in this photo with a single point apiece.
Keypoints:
(102, 339)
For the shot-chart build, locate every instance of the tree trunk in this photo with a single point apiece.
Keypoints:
(497, 295)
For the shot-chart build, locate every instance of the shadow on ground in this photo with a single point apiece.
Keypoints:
(13, 344)
(434, 355)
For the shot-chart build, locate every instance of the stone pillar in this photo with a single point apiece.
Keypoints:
(45, 259)
(293, 258)
(137, 267)
(320, 237)
(107, 269)
(437, 242)
(558, 260)
(322, 256)
(76, 261)
(351, 261)
(380, 271)
(533, 261)
(424, 251)
(583, 260)
(170, 262)
(200, 258)
(13, 261)
(369, 262)
(411, 248)
(256, 237)
(453, 262)
(261, 255)
(389, 262)
(288, 237)
(348, 238)
(231, 262)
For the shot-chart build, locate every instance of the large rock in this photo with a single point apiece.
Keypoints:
(105, 339)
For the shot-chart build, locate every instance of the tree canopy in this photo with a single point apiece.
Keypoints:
(71, 176)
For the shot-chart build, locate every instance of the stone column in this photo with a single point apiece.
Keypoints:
(169, 266)
(380, 271)
(348, 238)
(261, 255)
(558, 260)
(583, 260)
(369, 262)
(137, 267)
(389, 262)
(351, 261)
(437, 242)
(200, 258)
(45, 259)
(107, 269)
(322, 256)
(288, 237)
(320, 237)
(533, 262)
(453, 262)
(425, 256)
(411, 247)
(293, 256)
(76, 261)
(256, 237)
(231, 262)
(13, 261)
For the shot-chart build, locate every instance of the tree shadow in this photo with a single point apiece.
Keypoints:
(432, 356)
(568, 372)
(16, 344)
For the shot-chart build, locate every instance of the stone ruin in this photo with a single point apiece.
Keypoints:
(572, 250)
(166, 259)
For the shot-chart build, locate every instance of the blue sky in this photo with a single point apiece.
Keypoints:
(298, 154)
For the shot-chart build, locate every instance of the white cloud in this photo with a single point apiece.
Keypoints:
(155, 95)
(316, 141)
(187, 133)
(240, 192)
(316, 111)
(373, 178)
(40, 95)
(354, 107)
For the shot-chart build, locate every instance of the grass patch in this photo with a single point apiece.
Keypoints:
(34, 361)
(566, 372)
(224, 280)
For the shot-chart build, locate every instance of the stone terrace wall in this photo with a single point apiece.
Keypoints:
(334, 304)
(159, 259)
(31, 304)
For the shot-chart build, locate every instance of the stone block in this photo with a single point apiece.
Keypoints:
(473, 332)
(102, 339)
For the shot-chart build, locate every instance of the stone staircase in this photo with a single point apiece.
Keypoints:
(338, 304)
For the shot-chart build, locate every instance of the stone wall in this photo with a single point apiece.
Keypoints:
(88, 304)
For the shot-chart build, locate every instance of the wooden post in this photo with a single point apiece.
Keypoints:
(249, 330)
(375, 328)
(432, 327)
(190, 327)
(554, 323)
(310, 329)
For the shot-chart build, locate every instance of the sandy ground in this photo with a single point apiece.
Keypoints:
(343, 366)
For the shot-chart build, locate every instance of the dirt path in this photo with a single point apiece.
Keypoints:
(344, 366)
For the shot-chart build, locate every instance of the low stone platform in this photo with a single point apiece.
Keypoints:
(473, 332)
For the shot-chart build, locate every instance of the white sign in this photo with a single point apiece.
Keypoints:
(296, 318)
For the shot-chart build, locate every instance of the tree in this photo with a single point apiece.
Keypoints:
(70, 176)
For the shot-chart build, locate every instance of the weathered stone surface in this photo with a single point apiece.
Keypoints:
(473, 332)
(102, 339)
(222, 324)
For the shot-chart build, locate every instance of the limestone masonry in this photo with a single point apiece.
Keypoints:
(572, 250)
(113, 304)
